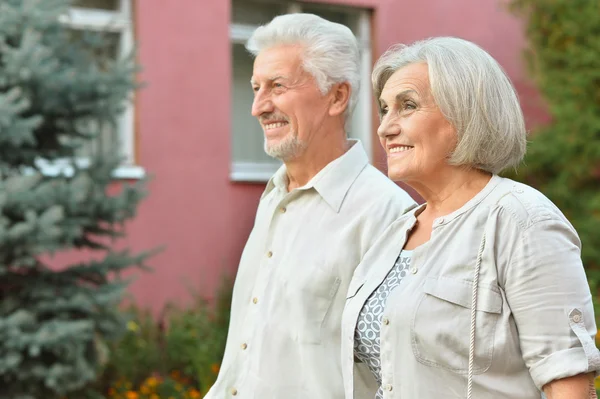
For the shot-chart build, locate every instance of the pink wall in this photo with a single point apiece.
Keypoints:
(183, 141)
(184, 122)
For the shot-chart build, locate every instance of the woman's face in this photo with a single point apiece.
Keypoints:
(415, 135)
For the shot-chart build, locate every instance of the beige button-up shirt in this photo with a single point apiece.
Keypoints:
(534, 319)
(284, 334)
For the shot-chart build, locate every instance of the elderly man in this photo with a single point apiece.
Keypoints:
(319, 214)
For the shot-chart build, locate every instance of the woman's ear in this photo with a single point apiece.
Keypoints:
(340, 98)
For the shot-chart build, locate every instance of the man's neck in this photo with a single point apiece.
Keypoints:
(302, 169)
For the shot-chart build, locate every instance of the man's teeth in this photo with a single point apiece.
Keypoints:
(275, 125)
(399, 149)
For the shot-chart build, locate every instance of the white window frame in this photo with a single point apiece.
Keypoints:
(99, 20)
(262, 172)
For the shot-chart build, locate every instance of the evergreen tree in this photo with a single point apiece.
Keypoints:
(56, 94)
(563, 159)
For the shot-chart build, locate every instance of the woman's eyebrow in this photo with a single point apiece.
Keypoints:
(399, 96)
(404, 94)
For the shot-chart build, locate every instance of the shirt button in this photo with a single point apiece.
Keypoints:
(269, 254)
(255, 300)
(283, 209)
(441, 220)
(233, 391)
(414, 270)
(386, 321)
(389, 387)
(244, 346)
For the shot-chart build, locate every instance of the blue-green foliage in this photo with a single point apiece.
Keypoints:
(55, 95)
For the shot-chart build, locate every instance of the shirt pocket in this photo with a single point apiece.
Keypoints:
(353, 288)
(310, 308)
(441, 326)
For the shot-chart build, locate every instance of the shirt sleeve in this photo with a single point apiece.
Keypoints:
(549, 296)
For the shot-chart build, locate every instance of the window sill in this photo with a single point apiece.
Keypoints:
(58, 168)
(252, 172)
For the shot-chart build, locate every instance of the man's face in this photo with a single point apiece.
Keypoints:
(287, 101)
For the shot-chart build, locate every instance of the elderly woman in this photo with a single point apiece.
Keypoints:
(480, 292)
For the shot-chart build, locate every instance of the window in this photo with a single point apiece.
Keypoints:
(248, 159)
(112, 19)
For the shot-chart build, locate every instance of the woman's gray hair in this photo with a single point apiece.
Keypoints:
(474, 95)
(330, 49)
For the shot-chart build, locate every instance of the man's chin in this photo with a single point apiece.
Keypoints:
(286, 150)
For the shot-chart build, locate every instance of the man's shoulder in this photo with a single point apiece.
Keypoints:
(373, 188)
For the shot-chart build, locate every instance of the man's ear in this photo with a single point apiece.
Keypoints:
(340, 98)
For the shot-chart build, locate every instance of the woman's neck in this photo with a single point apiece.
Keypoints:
(449, 191)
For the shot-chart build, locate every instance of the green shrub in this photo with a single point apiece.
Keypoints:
(175, 355)
(195, 339)
(563, 159)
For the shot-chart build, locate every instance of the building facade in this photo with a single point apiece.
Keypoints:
(190, 127)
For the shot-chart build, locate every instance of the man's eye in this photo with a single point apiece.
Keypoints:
(255, 88)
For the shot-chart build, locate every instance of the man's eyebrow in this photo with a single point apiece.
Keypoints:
(270, 79)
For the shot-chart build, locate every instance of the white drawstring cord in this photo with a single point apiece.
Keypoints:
(473, 314)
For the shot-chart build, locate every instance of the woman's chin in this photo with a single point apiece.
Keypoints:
(397, 174)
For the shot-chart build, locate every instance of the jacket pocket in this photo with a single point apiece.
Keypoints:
(441, 325)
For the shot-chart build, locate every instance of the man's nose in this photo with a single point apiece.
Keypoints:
(262, 104)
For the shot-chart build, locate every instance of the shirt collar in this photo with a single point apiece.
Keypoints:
(333, 181)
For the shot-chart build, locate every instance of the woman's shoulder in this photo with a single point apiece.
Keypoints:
(524, 204)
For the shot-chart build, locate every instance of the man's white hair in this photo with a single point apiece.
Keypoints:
(474, 95)
(330, 55)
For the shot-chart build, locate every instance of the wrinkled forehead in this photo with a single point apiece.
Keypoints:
(413, 78)
(281, 61)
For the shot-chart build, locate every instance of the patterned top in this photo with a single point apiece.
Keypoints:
(368, 328)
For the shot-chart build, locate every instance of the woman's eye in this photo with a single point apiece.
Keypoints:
(383, 111)
(409, 105)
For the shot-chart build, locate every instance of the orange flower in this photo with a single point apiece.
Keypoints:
(132, 395)
(151, 382)
(194, 394)
(215, 368)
